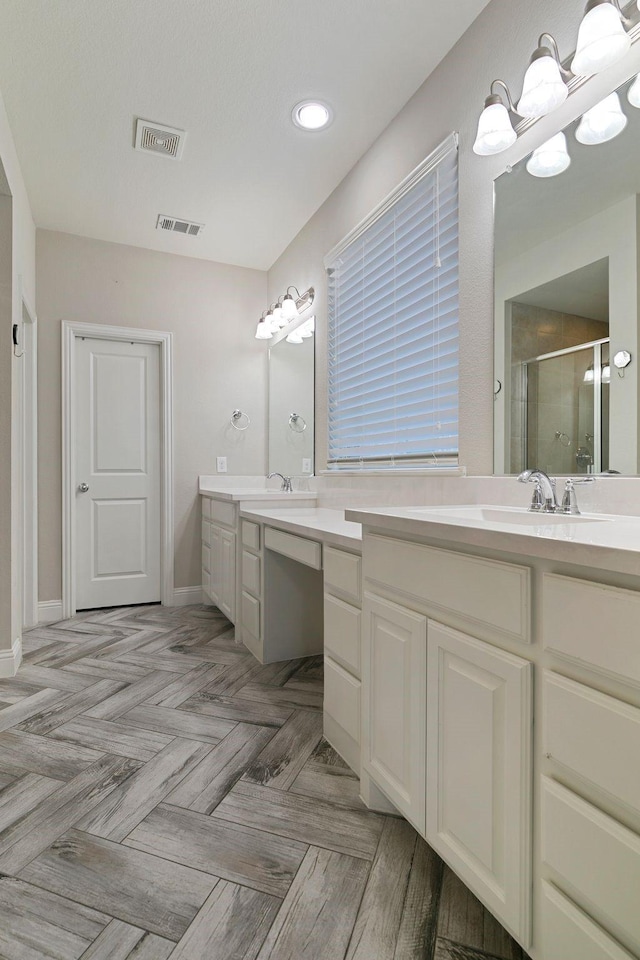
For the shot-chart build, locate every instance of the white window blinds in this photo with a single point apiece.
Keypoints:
(393, 326)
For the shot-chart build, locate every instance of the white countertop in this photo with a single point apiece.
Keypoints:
(221, 490)
(316, 523)
(602, 541)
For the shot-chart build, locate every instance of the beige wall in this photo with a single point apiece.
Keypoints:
(17, 272)
(498, 44)
(212, 310)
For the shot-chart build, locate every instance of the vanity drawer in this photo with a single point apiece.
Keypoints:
(206, 532)
(251, 573)
(206, 507)
(592, 624)
(342, 698)
(596, 857)
(206, 557)
(342, 632)
(595, 736)
(568, 932)
(251, 614)
(342, 574)
(304, 551)
(494, 597)
(223, 512)
(251, 534)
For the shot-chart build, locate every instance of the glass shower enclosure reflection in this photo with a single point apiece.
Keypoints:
(565, 415)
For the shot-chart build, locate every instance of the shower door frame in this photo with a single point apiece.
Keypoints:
(596, 346)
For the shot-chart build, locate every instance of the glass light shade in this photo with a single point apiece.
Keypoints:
(263, 330)
(588, 375)
(603, 122)
(602, 40)
(495, 132)
(543, 89)
(289, 309)
(277, 314)
(295, 336)
(306, 330)
(550, 159)
(606, 373)
(633, 96)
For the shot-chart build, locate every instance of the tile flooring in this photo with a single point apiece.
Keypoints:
(163, 795)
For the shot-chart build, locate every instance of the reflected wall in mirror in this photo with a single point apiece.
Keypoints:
(567, 251)
(291, 407)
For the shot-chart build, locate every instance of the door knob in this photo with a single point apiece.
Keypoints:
(83, 487)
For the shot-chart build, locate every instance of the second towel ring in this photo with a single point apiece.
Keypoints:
(236, 417)
(297, 423)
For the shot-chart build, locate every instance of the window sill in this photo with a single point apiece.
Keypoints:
(397, 472)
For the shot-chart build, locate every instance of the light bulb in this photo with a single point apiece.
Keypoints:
(602, 40)
(543, 89)
(603, 122)
(289, 309)
(263, 331)
(495, 132)
(295, 336)
(633, 96)
(311, 115)
(550, 159)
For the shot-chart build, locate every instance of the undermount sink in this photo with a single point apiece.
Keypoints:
(506, 515)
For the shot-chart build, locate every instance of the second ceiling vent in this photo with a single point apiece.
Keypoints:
(159, 139)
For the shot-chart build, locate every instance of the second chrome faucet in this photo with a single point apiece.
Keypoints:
(544, 498)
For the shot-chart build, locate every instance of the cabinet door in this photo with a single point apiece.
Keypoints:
(394, 706)
(479, 727)
(215, 579)
(228, 574)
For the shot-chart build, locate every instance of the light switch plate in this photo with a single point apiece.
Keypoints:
(221, 464)
(306, 465)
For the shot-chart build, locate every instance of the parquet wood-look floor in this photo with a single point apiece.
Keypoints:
(162, 795)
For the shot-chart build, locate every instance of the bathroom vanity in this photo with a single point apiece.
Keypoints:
(501, 710)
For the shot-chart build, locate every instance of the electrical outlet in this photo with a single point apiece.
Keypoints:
(221, 464)
(306, 465)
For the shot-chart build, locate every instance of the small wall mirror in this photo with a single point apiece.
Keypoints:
(291, 406)
(567, 251)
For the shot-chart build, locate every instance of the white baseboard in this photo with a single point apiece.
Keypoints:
(184, 596)
(49, 611)
(10, 660)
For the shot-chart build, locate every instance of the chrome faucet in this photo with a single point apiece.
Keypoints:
(544, 495)
(286, 482)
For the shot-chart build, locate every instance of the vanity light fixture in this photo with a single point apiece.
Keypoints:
(602, 39)
(550, 159)
(633, 94)
(295, 336)
(495, 130)
(277, 318)
(308, 328)
(311, 115)
(544, 87)
(263, 330)
(603, 122)
(589, 374)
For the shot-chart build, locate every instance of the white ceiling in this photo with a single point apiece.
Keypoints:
(75, 74)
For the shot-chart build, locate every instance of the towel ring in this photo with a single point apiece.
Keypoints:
(294, 423)
(236, 417)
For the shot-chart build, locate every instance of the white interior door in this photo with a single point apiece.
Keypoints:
(117, 473)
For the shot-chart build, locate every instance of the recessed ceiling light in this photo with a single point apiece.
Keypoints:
(312, 115)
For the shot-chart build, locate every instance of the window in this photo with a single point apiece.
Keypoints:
(393, 327)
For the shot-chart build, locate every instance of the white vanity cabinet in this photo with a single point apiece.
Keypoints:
(219, 534)
(447, 713)
(342, 657)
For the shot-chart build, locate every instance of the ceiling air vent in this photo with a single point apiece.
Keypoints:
(158, 139)
(187, 227)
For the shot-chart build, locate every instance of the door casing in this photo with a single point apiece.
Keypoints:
(98, 331)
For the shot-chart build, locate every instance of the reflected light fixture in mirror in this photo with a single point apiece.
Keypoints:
(295, 336)
(633, 95)
(550, 159)
(543, 87)
(602, 39)
(602, 122)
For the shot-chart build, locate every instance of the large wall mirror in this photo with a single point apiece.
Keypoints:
(566, 306)
(291, 405)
